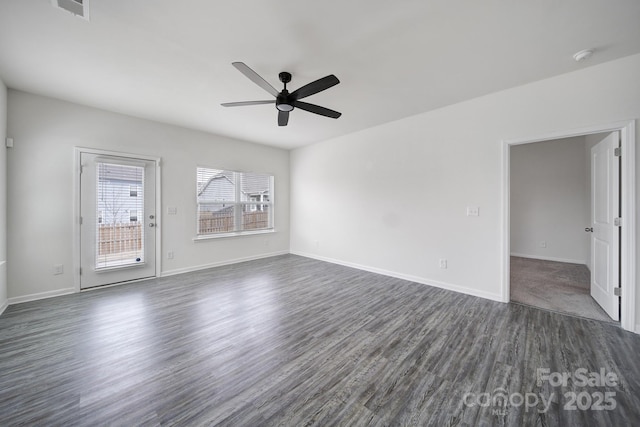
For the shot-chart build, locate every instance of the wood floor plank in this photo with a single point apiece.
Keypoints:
(294, 341)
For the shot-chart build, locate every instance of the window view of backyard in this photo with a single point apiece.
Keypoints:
(233, 201)
(120, 215)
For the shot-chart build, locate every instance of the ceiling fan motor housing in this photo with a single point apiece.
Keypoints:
(283, 101)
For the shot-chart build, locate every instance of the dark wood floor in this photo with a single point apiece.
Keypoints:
(293, 341)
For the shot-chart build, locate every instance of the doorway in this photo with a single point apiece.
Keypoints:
(545, 248)
(550, 218)
(117, 219)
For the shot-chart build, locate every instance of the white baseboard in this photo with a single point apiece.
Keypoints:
(3, 271)
(548, 258)
(41, 295)
(220, 264)
(408, 277)
(66, 291)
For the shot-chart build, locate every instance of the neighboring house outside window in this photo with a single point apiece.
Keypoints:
(119, 195)
(233, 202)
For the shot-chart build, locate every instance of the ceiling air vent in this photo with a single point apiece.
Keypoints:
(76, 7)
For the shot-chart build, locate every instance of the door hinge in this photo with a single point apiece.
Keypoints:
(81, 169)
(80, 271)
(617, 151)
(617, 292)
(617, 222)
(80, 220)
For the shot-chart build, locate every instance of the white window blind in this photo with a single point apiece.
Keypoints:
(233, 202)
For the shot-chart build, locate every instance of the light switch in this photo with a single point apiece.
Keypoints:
(172, 210)
(473, 211)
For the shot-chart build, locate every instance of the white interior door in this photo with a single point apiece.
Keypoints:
(118, 227)
(605, 238)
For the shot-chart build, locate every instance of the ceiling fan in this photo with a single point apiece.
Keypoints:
(285, 101)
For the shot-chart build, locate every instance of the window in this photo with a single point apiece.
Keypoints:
(233, 202)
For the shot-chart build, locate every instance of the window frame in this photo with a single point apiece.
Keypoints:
(238, 206)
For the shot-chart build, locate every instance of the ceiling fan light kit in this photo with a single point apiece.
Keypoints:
(286, 102)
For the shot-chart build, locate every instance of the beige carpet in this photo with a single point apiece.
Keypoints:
(557, 286)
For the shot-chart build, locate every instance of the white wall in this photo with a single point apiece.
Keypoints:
(550, 200)
(3, 197)
(41, 189)
(393, 198)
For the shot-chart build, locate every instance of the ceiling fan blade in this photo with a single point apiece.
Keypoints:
(255, 77)
(283, 118)
(243, 103)
(312, 108)
(315, 87)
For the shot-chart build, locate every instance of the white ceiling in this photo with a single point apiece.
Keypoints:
(170, 61)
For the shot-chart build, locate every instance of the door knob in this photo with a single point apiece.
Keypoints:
(589, 229)
(151, 224)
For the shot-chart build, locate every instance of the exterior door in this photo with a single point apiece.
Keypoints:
(117, 219)
(605, 238)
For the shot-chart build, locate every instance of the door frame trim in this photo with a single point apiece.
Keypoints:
(77, 152)
(627, 131)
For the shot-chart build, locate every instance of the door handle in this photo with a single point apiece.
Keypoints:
(151, 224)
(589, 229)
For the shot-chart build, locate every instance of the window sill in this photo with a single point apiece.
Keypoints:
(234, 234)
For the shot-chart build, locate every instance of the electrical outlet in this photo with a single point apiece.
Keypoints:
(443, 263)
(58, 269)
(170, 255)
(543, 244)
(473, 211)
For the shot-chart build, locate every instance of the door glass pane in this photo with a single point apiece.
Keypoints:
(120, 210)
